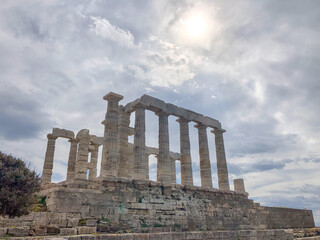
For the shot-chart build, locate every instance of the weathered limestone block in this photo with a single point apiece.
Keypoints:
(19, 231)
(38, 230)
(68, 231)
(53, 230)
(86, 230)
(91, 223)
(3, 231)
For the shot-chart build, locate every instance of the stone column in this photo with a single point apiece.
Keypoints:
(186, 165)
(72, 158)
(173, 171)
(157, 157)
(221, 160)
(82, 157)
(123, 165)
(130, 165)
(147, 166)
(93, 162)
(164, 165)
(205, 166)
(139, 145)
(48, 161)
(109, 163)
(239, 185)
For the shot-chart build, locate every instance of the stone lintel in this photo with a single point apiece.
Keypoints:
(199, 125)
(113, 96)
(155, 105)
(63, 133)
(155, 151)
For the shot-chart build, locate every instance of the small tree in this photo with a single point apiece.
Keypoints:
(17, 185)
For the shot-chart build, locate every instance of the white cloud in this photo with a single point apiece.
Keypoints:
(103, 28)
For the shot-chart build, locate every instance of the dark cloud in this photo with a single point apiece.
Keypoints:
(21, 116)
(260, 166)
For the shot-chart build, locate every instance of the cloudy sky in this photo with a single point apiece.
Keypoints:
(253, 65)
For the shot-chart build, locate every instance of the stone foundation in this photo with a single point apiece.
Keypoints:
(138, 206)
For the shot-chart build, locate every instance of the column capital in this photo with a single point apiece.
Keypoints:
(218, 130)
(111, 96)
(139, 106)
(51, 137)
(200, 126)
(162, 113)
(182, 120)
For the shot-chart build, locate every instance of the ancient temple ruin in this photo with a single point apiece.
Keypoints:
(122, 159)
(122, 199)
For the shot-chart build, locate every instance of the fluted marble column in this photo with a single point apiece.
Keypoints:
(123, 161)
(173, 171)
(48, 161)
(72, 158)
(221, 160)
(186, 165)
(82, 156)
(147, 166)
(93, 162)
(164, 165)
(139, 145)
(109, 163)
(205, 166)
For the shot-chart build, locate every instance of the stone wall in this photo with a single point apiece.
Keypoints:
(219, 235)
(288, 217)
(144, 205)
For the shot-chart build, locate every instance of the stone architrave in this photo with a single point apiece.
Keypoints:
(82, 157)
(139, 145)
(123, 127)
(205, 166)
(221, 160)
(48, 161)
(72, 158)
(164, 165)
(173, 171)
(186, 164)
(109, 163)
(93, 162)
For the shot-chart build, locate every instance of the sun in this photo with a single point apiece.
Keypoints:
(196, 26)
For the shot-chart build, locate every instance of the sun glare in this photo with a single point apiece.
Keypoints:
(196, 26)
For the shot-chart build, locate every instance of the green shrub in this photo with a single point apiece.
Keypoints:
(17, 186)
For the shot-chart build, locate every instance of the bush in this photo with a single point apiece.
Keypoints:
(17, 185)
